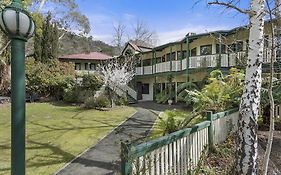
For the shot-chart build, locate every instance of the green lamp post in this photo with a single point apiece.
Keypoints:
(19, 26)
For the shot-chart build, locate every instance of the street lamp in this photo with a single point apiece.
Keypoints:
(19, 26)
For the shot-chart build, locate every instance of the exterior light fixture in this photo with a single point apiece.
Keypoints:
(18, 25)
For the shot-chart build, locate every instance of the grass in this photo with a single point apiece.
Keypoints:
(55, 134)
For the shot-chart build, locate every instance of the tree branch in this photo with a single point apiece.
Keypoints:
(5, 47)
(229, 5)
(42, 3)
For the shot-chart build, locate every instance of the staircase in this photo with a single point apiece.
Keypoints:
(129, 92)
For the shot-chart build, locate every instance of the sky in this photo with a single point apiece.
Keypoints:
(171, 20)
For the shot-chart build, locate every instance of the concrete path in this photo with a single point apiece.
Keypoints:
(104, 157)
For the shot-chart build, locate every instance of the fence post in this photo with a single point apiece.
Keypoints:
(126, 164)
(210, 131)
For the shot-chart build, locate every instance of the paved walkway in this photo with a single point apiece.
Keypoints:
(104, 157)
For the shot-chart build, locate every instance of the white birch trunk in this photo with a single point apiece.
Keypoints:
(249, 106)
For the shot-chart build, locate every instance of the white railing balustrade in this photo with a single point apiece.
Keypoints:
(203, 61)
(184, 64)
(139, 71)
(176, 65)
(224, 60)
(147, 70)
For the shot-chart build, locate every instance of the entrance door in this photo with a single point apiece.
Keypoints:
(139, 90)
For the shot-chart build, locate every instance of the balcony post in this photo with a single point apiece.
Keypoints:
(220, 47)
(170, 58)
(187, 58)
(181, 56)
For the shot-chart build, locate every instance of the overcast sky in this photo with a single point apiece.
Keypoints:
(170, 19)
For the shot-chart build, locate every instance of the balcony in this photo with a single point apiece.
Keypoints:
(195, 62)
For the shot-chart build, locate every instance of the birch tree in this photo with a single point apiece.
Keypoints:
(250, 100)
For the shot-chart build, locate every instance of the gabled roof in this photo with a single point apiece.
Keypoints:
(137, 47)
(87, 56)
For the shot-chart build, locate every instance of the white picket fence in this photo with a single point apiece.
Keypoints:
(177, 153)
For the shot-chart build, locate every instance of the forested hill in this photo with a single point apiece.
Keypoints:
(72, 44)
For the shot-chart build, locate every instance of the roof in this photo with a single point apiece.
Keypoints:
(87, 56)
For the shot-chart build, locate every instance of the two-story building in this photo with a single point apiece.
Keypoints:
(191, 59)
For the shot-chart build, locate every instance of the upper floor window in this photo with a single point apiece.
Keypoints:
(173, 56)
(239, 46)
(193, 52)
(163, 59)
(206, 50)
(77, 66)
(235, 47)
(179, 55)
(184, 54)
(158, 60)
(168, 57)
(146, 62)
(223, 48)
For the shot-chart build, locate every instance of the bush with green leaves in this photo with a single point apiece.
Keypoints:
(162, 97)
(222, 92)
(121, 101)
(49, 79)
(97, 102)
(79, 92)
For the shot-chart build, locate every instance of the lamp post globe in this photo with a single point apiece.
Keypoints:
(16, 22)
(18, 25)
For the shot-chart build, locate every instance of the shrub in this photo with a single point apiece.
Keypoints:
(96, 103)
(162, 97)
(121, 101)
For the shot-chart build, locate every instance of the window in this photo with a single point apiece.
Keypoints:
(179, 55)
(231, 48)
(77, 66)
(223, 48)
(158, 60)
(235, 47)
(147, 62)
(206, 50)
(239, 46)
(92, 66)
(168, 57)
(184, 54)
(266, 41)
(163, 59)
(193, 52)
(145, 88)
(86, 66)
(173, 56)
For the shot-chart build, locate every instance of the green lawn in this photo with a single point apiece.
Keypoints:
(56, 134)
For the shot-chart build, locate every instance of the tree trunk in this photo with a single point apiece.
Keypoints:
(249, 106)
(270, 95)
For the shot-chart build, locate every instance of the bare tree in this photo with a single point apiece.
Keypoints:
(119, 31)
(249, 106)
(143, 35)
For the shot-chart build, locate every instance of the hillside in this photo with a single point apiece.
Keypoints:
(71, 44)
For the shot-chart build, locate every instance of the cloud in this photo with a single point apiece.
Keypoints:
(174, 35)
